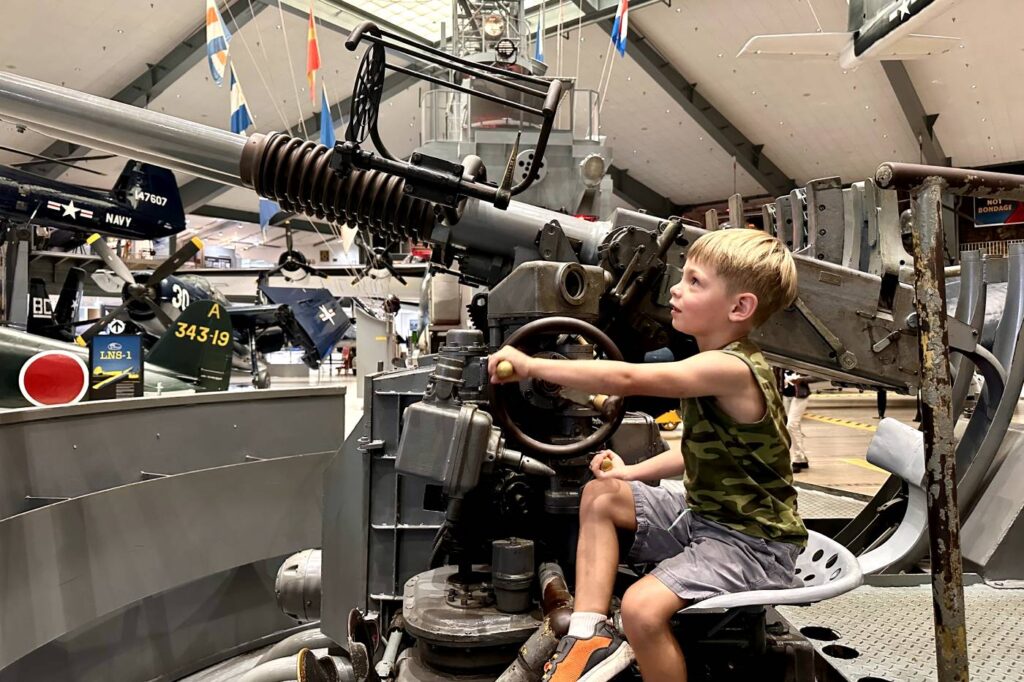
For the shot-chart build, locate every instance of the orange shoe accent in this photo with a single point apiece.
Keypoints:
(571, 668)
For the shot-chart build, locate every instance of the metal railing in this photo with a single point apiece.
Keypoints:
(999, 247)
(450, 116)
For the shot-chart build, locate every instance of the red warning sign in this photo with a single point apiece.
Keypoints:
(53, 377)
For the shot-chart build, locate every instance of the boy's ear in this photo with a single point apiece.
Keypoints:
(743, 307)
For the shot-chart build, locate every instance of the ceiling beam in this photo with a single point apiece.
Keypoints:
(626, 187)
(921, 123)
(750, 156)
(154, 80)
(199, 192)
(597, 10)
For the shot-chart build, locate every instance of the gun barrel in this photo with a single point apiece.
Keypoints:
(288, 172)
(121, 129)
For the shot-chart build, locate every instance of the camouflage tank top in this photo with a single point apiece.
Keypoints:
(740, 475)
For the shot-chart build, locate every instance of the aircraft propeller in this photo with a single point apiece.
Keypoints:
(137, 294)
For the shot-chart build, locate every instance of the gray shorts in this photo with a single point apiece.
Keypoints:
(697, 558)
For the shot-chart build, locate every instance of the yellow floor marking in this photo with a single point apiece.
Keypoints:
(865, 465)
(841, 422)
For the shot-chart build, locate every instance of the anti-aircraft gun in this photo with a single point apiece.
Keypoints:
(450, 474)
(446, 475)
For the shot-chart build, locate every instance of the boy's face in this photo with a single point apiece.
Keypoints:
(701, 302)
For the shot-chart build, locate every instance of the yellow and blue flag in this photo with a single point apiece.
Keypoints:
(217, 39)
(240, 118)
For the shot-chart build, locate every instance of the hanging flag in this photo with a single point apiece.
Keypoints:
(312, 55)
(240, 118)
(538, 50)
(268, 209)
(217, 39)
(620, 27)
(327, 137)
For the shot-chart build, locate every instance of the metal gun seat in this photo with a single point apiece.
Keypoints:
(824, 568)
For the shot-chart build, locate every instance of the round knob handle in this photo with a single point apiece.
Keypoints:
(505, 370)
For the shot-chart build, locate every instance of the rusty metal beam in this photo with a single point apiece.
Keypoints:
(961, 181)
(937, 422)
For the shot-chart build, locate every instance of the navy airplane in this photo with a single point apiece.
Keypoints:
(876, 30)
(143, 204)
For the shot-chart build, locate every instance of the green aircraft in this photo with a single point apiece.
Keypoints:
(193, 354)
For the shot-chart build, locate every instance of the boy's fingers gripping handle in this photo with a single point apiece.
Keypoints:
(505, 370)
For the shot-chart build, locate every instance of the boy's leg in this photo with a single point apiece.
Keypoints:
(593, 651)
(606, 505)
(647, 607)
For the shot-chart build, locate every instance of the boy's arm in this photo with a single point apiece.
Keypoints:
(706, 374)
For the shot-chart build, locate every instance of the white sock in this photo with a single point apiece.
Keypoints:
(583, 623)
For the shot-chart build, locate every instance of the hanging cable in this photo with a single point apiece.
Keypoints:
(579, 45)
(291, 71)
(558, 36)
(337, 105)
(608, 82)
(259, 71)
(606, 68)
(815, 15)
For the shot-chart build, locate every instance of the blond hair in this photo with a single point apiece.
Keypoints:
(750, 260)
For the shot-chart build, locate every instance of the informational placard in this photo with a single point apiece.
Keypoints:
(115, 366)
(997, 212)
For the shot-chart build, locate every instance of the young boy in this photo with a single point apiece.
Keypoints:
(737, 528)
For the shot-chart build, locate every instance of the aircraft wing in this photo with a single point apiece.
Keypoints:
(806, 45)
(312, 318)
(108, 281)
(916, 46)
(253, 316)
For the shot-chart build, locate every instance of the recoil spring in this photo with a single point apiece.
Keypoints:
(296, 173)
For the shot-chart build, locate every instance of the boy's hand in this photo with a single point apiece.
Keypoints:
(519, 361)
(606, 464)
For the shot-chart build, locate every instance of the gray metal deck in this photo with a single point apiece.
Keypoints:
(891, 630)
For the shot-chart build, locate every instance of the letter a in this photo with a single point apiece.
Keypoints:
(214, 311)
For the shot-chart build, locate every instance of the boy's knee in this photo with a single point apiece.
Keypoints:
(643, 612)
(601, 496)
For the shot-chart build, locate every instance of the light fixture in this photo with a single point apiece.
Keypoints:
(494, 25)
(506, 50)
(592, 168)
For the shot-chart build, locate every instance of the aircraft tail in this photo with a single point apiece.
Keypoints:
(198, 346)
(153, 192)
(54, 322)
(70, 297)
